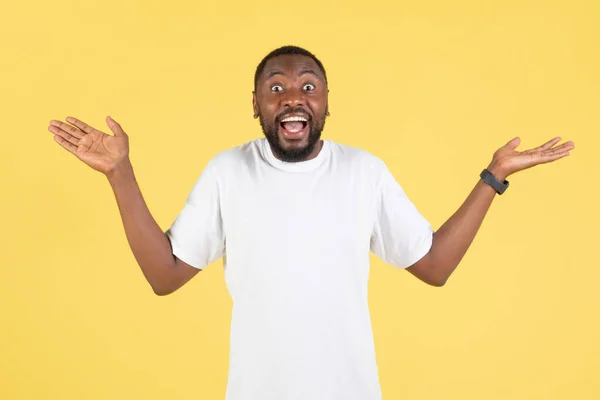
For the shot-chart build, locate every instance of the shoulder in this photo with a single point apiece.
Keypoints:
(357, 158)
(367, 166)
(236, 157)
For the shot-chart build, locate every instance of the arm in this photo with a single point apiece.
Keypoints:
(150, 246)
(110, 155)
(451, 241)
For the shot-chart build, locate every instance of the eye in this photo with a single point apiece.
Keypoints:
(276, 88)
(309, 86)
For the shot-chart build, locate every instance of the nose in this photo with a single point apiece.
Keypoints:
(293, 98)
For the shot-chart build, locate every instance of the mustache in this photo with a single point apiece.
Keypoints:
(295, 110)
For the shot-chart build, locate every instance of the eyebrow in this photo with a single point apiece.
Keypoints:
(308, 71)
(303, 72)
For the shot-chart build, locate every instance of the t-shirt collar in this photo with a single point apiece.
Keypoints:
(302, 166)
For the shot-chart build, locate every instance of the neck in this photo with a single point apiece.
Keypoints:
(316, 150)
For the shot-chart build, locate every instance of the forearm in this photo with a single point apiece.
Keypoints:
(149, 244)
(452, 240)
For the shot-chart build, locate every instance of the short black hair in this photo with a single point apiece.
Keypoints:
(284, 51)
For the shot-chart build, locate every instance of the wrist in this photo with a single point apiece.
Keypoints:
(498, 171)
(495, 178)
(119, 172)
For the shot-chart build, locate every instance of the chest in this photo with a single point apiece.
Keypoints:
(299, 211)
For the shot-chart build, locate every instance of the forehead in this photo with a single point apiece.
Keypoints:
(290, 64)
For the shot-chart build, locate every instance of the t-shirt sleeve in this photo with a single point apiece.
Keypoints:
(196, 235)
(401, 235)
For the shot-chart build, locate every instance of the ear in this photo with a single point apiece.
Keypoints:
(327, 110)
(255, 105)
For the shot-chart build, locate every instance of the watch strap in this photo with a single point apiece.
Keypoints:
(491, 180)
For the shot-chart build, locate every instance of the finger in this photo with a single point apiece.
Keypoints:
(67, 128)
(546, 158)
(547, 145)
(513, 143)
(65, 135)
(81, 125)
(115, 127)
(64, 143)
(563, 147)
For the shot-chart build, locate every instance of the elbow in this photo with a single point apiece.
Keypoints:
(429, 272)
(439, 276)
(161, 290)
(162, 282)
(438, 282)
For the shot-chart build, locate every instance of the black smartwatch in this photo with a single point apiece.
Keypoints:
(491, 180)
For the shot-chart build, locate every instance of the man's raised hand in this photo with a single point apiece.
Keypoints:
(507, 160)
(97, 149)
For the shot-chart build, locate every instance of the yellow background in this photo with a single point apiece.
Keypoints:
(432, 88)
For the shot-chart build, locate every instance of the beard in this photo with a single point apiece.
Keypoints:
(271, 132)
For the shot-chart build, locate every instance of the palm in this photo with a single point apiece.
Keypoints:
(510, 160)
(100, 151)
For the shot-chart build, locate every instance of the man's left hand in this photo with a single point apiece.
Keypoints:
(507, 160)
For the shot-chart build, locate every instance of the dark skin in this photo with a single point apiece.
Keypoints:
(289, 84)
(292, 85)
(454, 237)
(451, 241)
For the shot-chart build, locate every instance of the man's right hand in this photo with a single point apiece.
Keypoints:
(110, 155)
(97, 149)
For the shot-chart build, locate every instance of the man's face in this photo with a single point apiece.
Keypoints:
(291, 103)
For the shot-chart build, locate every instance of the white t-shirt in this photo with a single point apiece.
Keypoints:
(295, 239)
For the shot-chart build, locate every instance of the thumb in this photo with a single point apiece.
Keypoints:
(115, 127)
(513, 143)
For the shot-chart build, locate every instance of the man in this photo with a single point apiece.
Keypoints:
(295, 217)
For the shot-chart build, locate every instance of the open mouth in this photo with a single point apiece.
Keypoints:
(295, 127)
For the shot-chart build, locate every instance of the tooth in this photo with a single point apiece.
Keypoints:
(292, 119)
